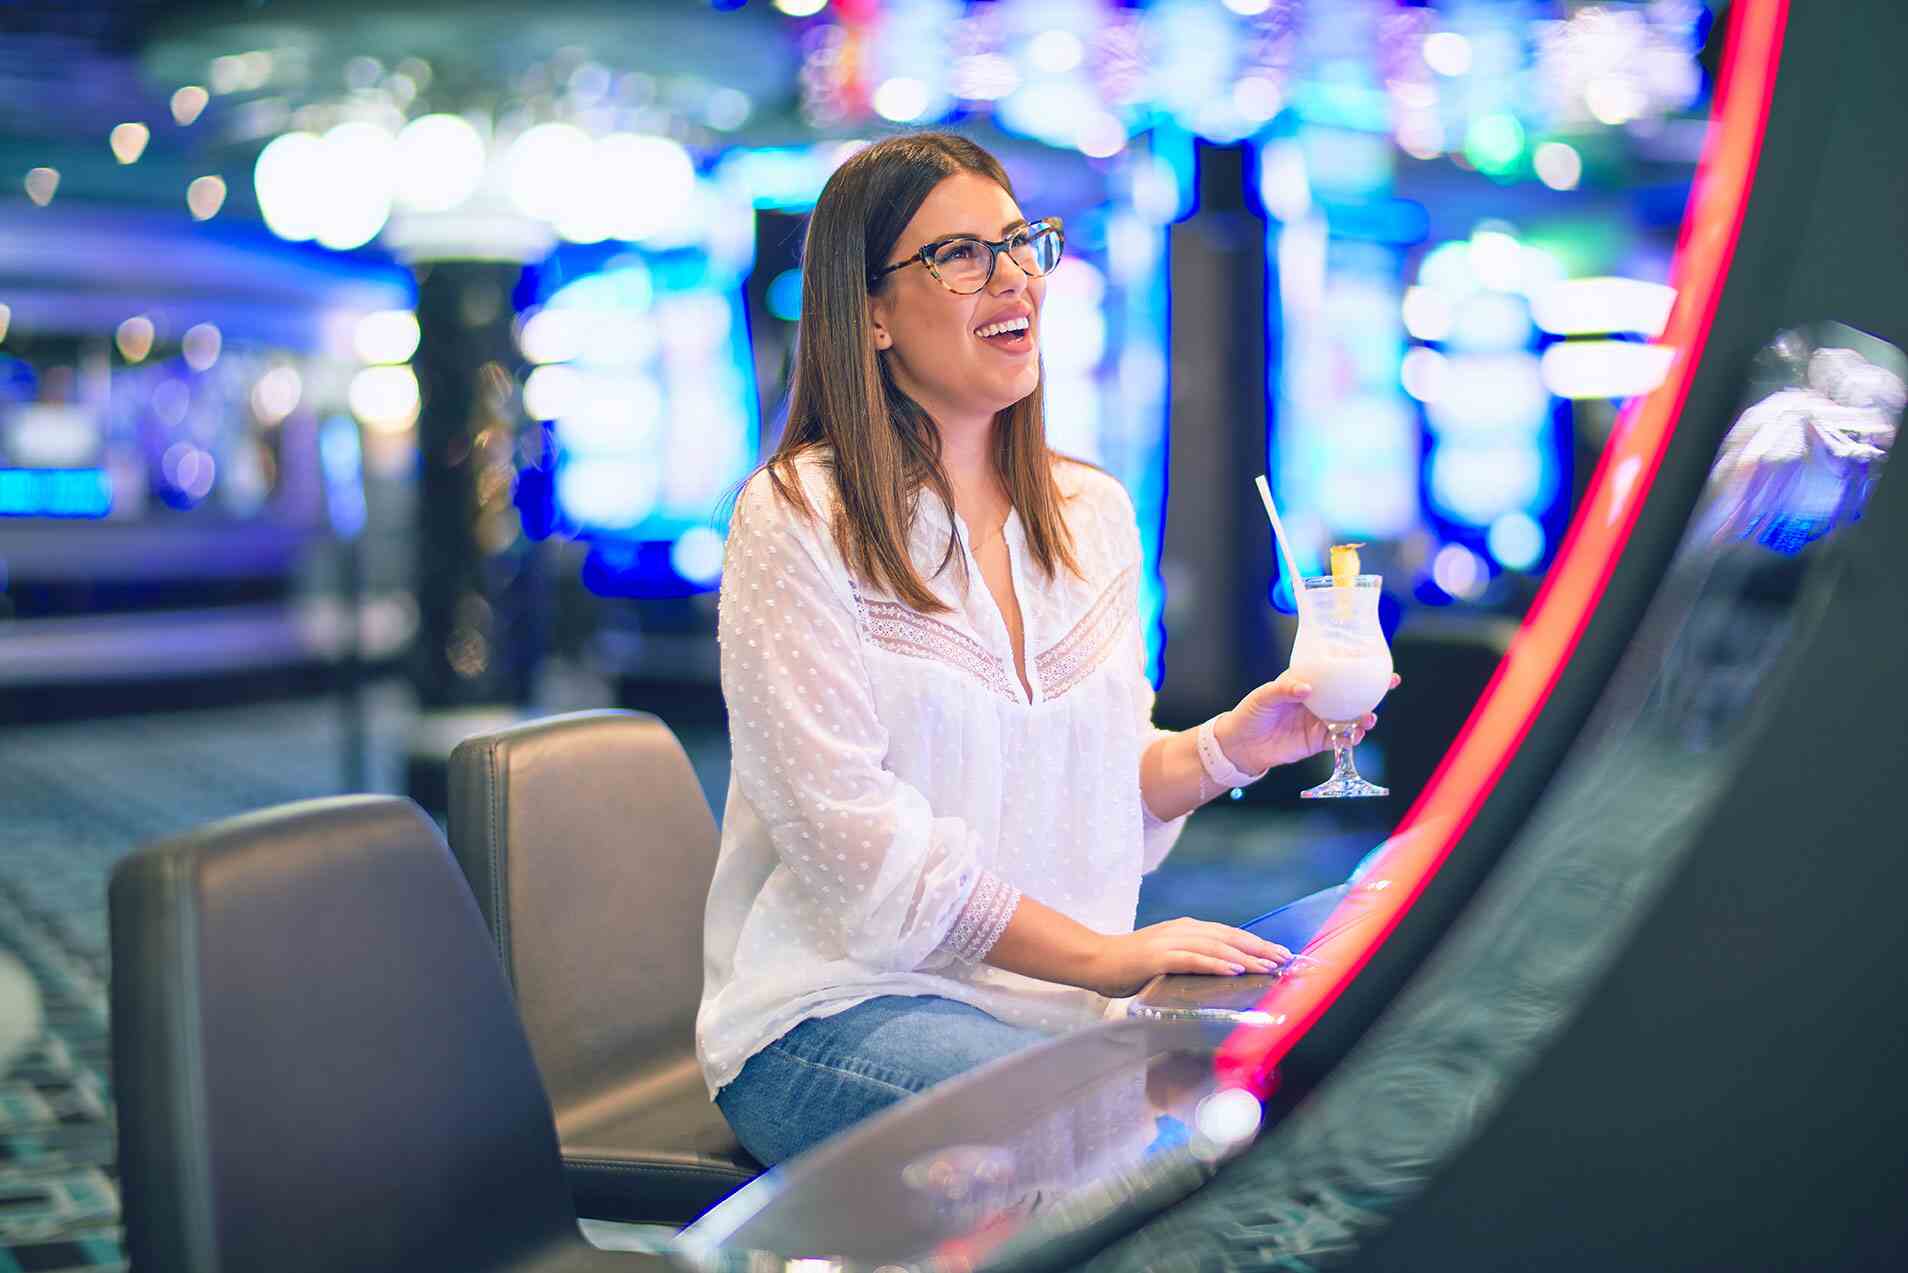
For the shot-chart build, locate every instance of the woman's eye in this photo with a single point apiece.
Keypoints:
(960, 253)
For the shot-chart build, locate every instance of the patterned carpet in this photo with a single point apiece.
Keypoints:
(78, 796)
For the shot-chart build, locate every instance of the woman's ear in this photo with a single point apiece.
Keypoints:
(878, 322)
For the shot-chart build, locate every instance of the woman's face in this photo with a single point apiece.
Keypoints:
(931, 337)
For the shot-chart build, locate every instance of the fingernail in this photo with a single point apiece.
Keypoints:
(1236, 968)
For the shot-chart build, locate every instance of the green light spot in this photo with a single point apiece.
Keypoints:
(1494, 143)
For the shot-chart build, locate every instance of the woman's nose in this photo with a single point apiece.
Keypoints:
(1008, 269)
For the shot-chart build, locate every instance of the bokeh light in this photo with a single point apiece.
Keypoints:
(1459, 571)
(385, 399)
(336, 189)
(386, 336)
(128, 142)
(134, 338)
(697, 555)
(187, 102)
(41, 183)
(1558, 165)
(1447, 53)
(440, 163)
(1517, 541)
(361, 171)
(276, 394)
(205, 196)
(902, 99)
(1494, 143)
(289, 179)
(201, 346)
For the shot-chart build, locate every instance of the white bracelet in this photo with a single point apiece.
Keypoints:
(1212, 759)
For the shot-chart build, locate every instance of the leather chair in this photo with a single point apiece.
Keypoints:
(316, 1060)
(590, 847)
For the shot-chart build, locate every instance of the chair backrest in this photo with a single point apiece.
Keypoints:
(316, 1060)
(590, 847)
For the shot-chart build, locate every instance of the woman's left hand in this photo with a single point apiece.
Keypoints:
(1271, 726)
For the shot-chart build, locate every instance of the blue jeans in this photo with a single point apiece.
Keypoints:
(829, 1073)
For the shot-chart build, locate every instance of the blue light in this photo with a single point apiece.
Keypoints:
(1490, 322)
(1476, 483)
(788, 178)
(1400, 222)
(55, 493)
(697, 555)
(1516, 540)
(655, 415)
(341, 460)
(785, 296)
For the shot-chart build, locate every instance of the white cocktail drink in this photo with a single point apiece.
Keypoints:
(1344, 687)
(1340, 651)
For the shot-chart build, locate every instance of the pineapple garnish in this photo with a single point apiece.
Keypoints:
(1345, 564)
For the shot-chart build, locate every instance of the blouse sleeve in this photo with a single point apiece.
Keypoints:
(897, 887)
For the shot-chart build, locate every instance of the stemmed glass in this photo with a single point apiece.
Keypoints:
(1340, 651)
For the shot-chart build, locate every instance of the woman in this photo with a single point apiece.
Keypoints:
(946, 779)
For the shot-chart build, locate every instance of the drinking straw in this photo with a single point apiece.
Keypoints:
(1278, 536)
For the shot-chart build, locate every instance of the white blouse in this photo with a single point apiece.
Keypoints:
(893, 788)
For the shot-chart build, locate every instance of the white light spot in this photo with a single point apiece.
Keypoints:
(553, 391)
(276, 395)
(1447, 53)
(1558, 165)
(41, 183)
(187, 103)
(440, 163)
(1497, 259)
(1228, 1118)
(129, 142)
(386, 336)
(1614, 99)
(901, 99)
(1056, 52)
(385, 398)
(1458, 571)
(201, 346)
(1102, 135)
(697, 554)
(1605, 368)
(1425, 374)
(204, 197)
(134, 338)
(1516, 540)
(1427, 314)
(1592, 306)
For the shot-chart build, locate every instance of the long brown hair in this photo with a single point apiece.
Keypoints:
(843, 396)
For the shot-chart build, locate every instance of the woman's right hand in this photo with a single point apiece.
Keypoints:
(1126, 962)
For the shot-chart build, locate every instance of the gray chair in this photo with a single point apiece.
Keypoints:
(316, 1060)
(589, 846)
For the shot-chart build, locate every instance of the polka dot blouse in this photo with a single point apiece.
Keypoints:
(895, 789)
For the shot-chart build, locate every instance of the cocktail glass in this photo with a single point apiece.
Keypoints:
(1340, 652)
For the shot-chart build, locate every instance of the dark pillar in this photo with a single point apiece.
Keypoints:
(478, 637)
(1216, 554)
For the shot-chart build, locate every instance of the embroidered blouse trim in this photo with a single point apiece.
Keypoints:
(981, 922)
(899, 630)
(1078, 654)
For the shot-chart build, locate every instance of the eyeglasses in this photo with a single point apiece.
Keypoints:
(965, 265)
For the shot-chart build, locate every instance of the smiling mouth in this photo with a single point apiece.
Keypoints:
(1012, 335)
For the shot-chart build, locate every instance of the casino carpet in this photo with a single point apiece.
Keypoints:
(78, 796)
